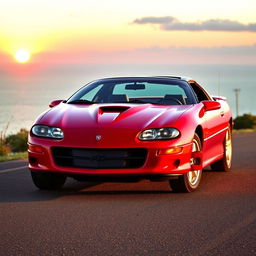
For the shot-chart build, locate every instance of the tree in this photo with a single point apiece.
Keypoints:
(246, 121)
(17, 142)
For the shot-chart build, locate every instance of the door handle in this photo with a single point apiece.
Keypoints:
(222, 113)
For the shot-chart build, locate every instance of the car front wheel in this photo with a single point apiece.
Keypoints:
(48, 181)
(190, 181)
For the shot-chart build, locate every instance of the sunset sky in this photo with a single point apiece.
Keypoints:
(50, 48)
(94, 31)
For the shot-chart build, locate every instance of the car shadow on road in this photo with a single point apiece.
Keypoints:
(123, 192)
(25, 191)
(29, 193)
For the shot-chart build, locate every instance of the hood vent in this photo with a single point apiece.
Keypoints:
(113, 109)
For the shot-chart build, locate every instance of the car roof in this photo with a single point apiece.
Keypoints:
(175, 77)
(150, 77)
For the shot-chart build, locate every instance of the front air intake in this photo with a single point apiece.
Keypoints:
(120, 158)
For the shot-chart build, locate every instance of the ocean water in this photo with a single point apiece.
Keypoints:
(23, 96)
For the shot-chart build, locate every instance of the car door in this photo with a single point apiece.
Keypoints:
(214, 124)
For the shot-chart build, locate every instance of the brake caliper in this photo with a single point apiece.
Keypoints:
(196, 161)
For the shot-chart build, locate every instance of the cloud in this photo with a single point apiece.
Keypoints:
(170, 23)
(242, 50)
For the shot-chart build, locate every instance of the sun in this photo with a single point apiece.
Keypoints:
(22, 56)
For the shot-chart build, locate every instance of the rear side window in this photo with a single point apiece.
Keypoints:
(200, 93)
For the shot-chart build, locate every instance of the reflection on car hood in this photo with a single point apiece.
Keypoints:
(135, 116)
(81, 123)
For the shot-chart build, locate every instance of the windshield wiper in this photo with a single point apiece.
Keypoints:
(81, 101)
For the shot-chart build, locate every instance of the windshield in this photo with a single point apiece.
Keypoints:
(135, 90)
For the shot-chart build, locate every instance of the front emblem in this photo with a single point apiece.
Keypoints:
(98, 137)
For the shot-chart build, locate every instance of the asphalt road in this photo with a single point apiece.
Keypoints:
(132, 218)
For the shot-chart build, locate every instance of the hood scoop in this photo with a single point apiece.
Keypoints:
(109, 114)
(112, 109)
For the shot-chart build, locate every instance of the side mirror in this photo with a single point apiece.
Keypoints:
(211, 105)
(55, 103)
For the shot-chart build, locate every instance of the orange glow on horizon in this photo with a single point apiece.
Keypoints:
(84, 33)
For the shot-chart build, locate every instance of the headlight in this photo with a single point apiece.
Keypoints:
(48, 132)
(159, 134)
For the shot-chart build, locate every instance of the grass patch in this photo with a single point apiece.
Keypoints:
(14, 156)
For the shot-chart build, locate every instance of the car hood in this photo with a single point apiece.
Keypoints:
(81, 123)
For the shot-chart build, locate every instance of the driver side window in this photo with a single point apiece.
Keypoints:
(200, 94)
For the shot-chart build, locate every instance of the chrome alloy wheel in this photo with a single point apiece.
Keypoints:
(194, 176)
(224, 164)
(228, 148)
(190, 181)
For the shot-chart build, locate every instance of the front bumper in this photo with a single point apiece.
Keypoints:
(162, 158)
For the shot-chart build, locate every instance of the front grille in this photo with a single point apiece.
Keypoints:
(99, 158)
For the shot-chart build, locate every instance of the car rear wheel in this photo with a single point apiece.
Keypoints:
(224, 164)
(48, 181)
(190, 181)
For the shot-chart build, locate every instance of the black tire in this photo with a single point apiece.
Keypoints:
(190, 181)
(48, 181)
(224, 164)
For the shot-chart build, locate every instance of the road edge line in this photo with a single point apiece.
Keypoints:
(13, 169)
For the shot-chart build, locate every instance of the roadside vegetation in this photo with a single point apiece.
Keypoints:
(13, 146)
(14, 156)
(246, 121)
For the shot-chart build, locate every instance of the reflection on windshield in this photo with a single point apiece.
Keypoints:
(135, 91)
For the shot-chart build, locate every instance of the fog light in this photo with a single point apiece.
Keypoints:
(33, 160)
(170, 151)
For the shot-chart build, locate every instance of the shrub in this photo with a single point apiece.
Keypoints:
(17, 142)
(4, 149)
(246, 121)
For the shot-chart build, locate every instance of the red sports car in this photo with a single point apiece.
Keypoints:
(132, 128)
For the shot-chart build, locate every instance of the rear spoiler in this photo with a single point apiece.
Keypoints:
(219, 98)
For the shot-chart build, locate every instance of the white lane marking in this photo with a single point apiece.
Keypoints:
(13, 161)
(14, 169)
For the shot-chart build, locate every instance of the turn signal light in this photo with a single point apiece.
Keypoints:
(169, 151)
(35, 148)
